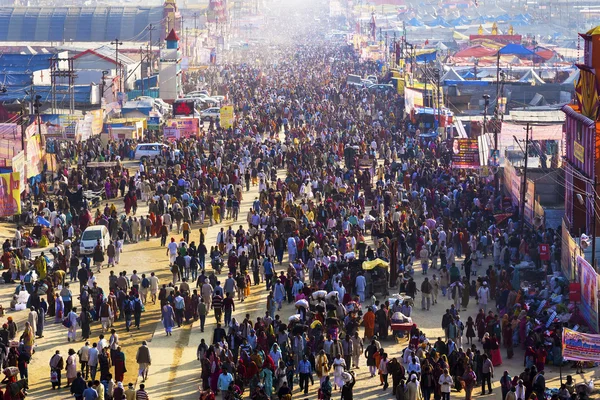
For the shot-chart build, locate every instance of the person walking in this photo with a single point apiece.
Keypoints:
(144, 360)
(56, 366)
(71, 367)
(71, 321)
(488, 374)
(168, 318)
(445, 383)
(305, 371)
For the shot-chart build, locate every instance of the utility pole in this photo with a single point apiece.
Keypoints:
(195, 35)
(116, 43)
(142, 72)
(150, 58)
(524, 186)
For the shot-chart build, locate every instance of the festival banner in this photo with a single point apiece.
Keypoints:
(589, 293)
(10, 194)
(18, 166)
(187, 127)
(578, 346)
(171, 133)
(226, 117)
(465, 153)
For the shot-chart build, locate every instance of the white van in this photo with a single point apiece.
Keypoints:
(149, 151)
(90, 238)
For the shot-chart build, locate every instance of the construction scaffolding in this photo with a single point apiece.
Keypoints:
(63, 84)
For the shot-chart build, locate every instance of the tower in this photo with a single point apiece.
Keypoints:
(170, 69)
(171, 18)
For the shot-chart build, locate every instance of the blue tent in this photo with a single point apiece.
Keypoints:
(462, 20)
(515, 50)
(502, 18)
(439, 21)
(427, 57)
(414, 22)
(468, 75)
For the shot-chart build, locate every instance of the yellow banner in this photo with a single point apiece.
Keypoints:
(10, 194)
(227, 117)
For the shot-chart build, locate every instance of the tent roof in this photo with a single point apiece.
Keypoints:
(475, 51)
(451, 75)
(531, 76)
(572, 78)
(516, 50)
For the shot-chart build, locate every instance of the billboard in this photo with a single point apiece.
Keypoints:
(465, 153)
(184, 108)
(10, 194)
(184, 127)
(226, 117)
(589, 292)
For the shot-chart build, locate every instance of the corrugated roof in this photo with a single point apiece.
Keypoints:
(77, 24)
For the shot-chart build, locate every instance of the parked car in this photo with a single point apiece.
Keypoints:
(210, 113)
(149, 151)
(372, 78)
(91, 236)
(382, 87)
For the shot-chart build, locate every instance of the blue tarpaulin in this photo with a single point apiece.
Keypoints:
(515, 50)
(414, 22)
(427, 57)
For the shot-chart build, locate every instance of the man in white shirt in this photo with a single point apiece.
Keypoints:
(172, 251)
(154, 283)
(483, 296)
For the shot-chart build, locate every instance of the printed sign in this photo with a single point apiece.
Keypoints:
(187, 127)
(465, 153)
(580, 346)
(10, 194)
(226, 117)
(589, 293)
(579, 152)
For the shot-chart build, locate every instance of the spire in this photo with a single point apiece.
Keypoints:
(172, 37)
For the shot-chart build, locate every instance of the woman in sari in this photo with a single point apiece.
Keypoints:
(59, 309)
(28, 338)
(215, 368)
(168, 319)
(118, 361)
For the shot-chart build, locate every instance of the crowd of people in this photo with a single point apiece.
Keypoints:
(343, 177)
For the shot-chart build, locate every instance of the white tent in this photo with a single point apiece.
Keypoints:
(451, 75)
(531, 77)
(572, 78)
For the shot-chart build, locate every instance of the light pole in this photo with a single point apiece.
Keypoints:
(116, 43)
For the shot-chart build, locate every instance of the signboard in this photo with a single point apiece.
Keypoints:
(18, 166)
(569, 250)
(512, 182)
(544, 250)
(153, 123)
(171, 133)
(465, 153)
(412, 99)
(226, 117)
(530, 202)
(184, 107)
(187, 127)
(589, 293)
(579, 152)
(61, 124)
(578, 346)
(10, 194)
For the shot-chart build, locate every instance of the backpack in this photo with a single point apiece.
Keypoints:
(138, 307)
(127, 306)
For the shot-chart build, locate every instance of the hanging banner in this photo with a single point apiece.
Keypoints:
(589, 293)
(568, 253)
(465, 153)
(580, 346)
(18, 166)
(171, 133)
(34, 156)
(226, 117)
(187, 127)
(10, 194)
